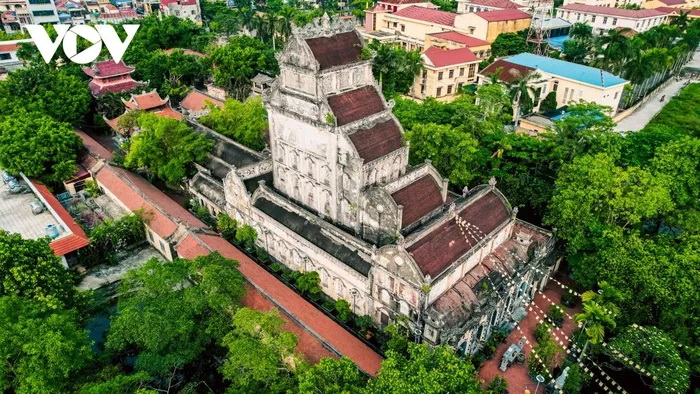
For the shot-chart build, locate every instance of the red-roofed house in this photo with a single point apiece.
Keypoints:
(454, 40)
(151, 102)
(487, 25)
(108, 76)
(446, 70)
(196, 103)
(410, 25)
(395, 5)
(467, 6)
(8, 54)
(676, 12)
(603, 19)
(166, 221)
(656, 4)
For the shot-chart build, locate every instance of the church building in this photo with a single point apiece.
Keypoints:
(335, 194)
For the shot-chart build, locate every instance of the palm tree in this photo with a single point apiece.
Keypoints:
(582, 31)
(607, 296)
(596, 320)
(682, 20)
(612, 50)
(522, 93)
(286, 16)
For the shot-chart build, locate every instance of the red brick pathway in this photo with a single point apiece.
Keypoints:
(517, 375)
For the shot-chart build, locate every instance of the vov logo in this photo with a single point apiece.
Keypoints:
(69, 36)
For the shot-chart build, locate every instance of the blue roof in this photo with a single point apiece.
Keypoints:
(577, 72)
(558, 42)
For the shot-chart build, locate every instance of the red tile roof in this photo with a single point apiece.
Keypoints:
(106, 69)
(355, 104)
(145, 101)
(377, 141)
(449, 57)
(503, 15)
(673, 2)
(678, 11)
(437, 250)
(401, 2)
(181, 2)
(169, 113)
(502, 4)
(190, 248)
(337, 50)
(93, 147)
(9, 47)
(594, 9)
(197, 101)
(509, 71)
(428, 15)
(77, 238)
(418, 199)
(461, 38)
(125, 86)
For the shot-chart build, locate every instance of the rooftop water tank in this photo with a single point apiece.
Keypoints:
(37, 207)
(52, 231)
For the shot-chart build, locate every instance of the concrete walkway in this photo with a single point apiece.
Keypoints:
(643, 115)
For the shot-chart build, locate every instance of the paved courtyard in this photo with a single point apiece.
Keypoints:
(16, 216)
(517, 375)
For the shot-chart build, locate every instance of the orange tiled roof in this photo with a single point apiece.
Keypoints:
(197, 101)
(70, 243)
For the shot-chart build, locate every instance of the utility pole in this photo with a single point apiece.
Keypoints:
(540, 26)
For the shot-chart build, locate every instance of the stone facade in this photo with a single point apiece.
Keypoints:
(335, 194)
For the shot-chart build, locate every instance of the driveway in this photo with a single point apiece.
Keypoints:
(643, 115)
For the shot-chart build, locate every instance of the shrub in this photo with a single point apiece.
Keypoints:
(542, 332)
(547, 352)
(226, 226)
(92, 188)
(343, 309)
(308, 283)
(556, 315)
(498, 385)
(329, 305)
(364, 322)
(111, 237)
(276, 267)
(549, 103)
(575, 379)
(246, 236)
(262, 255)
(202, 212)
(569, 299)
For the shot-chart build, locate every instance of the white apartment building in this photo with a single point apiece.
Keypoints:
(603, 19)
(42, 11)
(605, 3)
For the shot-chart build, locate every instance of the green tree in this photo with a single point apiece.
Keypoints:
(581, 31)
(239, 61)
(227, 226)
(261, 355)
(117, 384)
(523, 94)
(244, 122)
(425, 370)
(110, 104)
(29, 269)
(166, 147)
(172, 74)
(549, 103)
(507, 44)
(576, 50)
(41, 352)
(246, 236)
(450, 150)
(51, 91)
(171, 312)
(309, 283)
(595, 319)
(394, 67)
(343, 309)
(332, 375)
(654, 351)
(38, 146)
(543, 357)
(593, 195)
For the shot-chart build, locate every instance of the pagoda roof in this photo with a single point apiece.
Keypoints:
(336, 50)
(122, 86)
(146, 101)
(107, 68)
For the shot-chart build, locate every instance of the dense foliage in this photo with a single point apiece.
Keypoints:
(244, 122)
(112, 237)
(394, 67)
(29, 269)
(38, 146)
(236, 63)
(166, 147)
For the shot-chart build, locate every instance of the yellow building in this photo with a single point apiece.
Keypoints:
(488, 25)
(455, 40)
(653, 4)
(445, 71)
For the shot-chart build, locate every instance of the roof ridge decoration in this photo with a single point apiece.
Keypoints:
(324, 26)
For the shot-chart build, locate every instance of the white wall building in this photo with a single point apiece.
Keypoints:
(603, 19)
(42, 11)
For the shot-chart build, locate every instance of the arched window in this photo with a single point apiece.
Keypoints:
(521, 291)
(326, 175)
